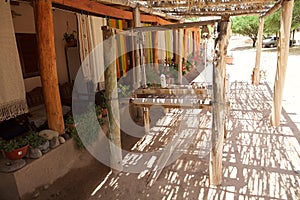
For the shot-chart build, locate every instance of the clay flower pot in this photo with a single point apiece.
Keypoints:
(229, 60)
(17, 153)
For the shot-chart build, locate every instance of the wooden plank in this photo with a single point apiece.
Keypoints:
(154, 19)
(283, 52)
(256, 73)
(112, 99)
(171, 91)
(175, 26)
(273, 9)
(218, 123)
(172, 103)
(47, 59)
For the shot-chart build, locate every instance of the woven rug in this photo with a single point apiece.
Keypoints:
(12, 90)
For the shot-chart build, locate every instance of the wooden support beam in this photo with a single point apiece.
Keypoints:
(175, 26)
(146, 119)
(175, 45)
(256, 71)
(155, 50)
(143, 58)
(112, 98)
(283, 53)
(219, 109)
(47, 59)
(154, 19)
(180, 46)
(137, 58)
(96, 8)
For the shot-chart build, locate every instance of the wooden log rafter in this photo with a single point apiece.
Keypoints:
(100, 9)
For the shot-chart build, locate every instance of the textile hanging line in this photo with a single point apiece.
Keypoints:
(12, 90)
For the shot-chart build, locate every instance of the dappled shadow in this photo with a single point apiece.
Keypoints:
(259, 161)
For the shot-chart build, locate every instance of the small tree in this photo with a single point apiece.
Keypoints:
(247, 26)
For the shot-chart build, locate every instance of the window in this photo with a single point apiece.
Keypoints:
(28, 53)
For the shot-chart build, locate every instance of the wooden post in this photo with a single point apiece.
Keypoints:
(47, 59)
(112, 98)
(134, 78)
(137, 23)
(180, 46)
(219, 109)
(143, 57)
(155, 50)
(256, 72)
(175, 45)
(283, 52)
(146, 120)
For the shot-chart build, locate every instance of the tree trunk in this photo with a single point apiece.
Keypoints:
(254, 42)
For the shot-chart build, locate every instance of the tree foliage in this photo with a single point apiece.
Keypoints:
(272, 22)
(247, 26)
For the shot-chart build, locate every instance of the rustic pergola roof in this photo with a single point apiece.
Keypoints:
(180, 9)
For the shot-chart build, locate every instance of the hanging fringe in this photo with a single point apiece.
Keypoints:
(12, 109)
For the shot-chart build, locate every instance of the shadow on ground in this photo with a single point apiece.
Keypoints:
(259, 161)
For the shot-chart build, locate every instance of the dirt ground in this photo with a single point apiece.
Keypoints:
(259, 161)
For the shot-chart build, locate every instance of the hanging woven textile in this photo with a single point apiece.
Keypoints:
(12, 90)
(91, 53)
(148, 44)
(169, 45)
(191, 43)
(161, 45)
(121, 61)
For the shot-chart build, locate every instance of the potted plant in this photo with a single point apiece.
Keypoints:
(34, 140)
(102, 103)
(229, 59)
(14, 148)
(70, 39)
